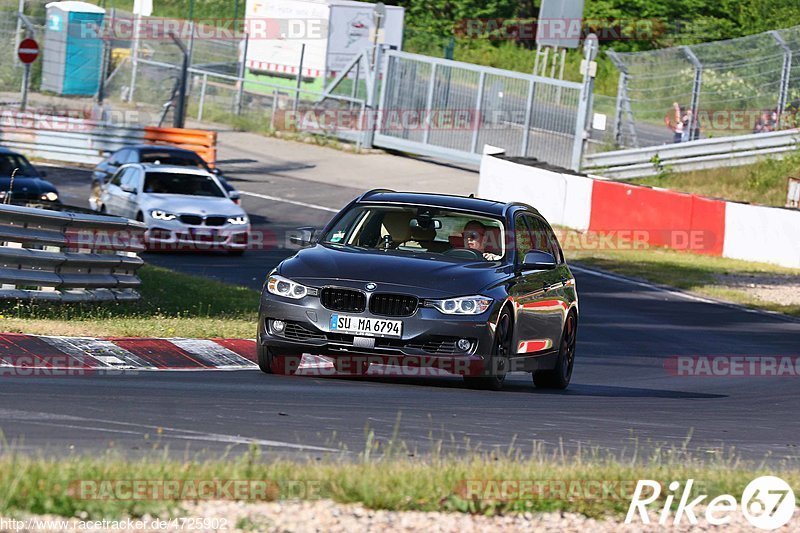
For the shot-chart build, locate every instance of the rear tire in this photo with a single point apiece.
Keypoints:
(559, 377)
(498, 361)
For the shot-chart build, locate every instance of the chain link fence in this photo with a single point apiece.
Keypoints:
(739, 86)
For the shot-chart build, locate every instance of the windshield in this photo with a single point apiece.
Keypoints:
(420, 229)
(186, 184)
(172, 158)
(8, 162)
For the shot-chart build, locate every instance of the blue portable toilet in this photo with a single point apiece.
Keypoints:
(73, 48)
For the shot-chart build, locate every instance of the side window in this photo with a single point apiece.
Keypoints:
(557, 252)
(130, 179)
(119, 157)
(117, 179)
(545, 239)
(522, 238)
(130, 156)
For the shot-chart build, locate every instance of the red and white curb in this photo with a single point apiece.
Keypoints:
(84, 353)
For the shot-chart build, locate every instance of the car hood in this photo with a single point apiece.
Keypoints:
(190, 205)
(430, 274)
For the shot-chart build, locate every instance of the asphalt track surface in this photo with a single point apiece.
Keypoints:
(623, 395)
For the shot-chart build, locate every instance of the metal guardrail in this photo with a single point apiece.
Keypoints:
(70, 140)
(693, 155)
(68, 257)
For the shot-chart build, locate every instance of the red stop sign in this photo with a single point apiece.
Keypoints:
(28, 51)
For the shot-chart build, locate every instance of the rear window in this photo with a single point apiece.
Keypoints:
(172, 158)
(185, 184)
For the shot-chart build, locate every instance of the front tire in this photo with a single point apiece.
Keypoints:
(560, 376)
(498, 361)
(270, 363)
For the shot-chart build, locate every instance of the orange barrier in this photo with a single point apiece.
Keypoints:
(204, 142)
(663, 218)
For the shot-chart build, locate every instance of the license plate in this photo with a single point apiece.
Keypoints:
(365, 326)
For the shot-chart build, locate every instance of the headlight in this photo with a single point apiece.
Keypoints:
(162, 215)
(287, 288)
(239, 221)
(466, 305)
(49, 196)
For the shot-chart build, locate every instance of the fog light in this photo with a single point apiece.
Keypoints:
(464, 345)
(278, 326)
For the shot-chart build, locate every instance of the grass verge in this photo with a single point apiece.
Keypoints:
(90, 487)
(172, 305)
(764, 182)
(715, 277)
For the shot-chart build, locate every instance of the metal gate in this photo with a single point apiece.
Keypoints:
(449, 109)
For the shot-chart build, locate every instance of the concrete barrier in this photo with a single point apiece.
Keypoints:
(661, 217)
(763, 234)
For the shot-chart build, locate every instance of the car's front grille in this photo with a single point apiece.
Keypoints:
(347, 300)
(198, 220)
(216, 221)
(393, 304)
(438, 346)
(296, 332)
(192, 220)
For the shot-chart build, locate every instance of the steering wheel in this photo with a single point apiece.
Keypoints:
(465, 253)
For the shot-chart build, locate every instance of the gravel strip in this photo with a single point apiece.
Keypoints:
(778, 289)
(327, 516)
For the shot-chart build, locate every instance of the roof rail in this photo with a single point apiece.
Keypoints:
(371, 192)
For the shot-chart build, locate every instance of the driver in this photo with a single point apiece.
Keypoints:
(475, 239)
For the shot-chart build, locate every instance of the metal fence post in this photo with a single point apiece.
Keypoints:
(478, 113)
(621, 90)
(299, 79)
(241, 75)
(786, 71)
(590, 46)
(373, 99)
(429, 106)
(20, 12)
(526, 133)
(134, 55)
(202, 97)
(696, 86)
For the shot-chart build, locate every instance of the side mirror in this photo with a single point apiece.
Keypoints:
(302, 237)
(235, 195)
(43, 173)
(128, 189)
(216, 172)
(536, 260)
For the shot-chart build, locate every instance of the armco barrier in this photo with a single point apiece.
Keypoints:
(70, 257)
(74, 140)
(694, 155)
(666, 218)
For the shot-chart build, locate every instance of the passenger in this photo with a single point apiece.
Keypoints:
(475, 238)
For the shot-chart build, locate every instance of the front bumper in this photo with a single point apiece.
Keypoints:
(173, 235)
(429, 338)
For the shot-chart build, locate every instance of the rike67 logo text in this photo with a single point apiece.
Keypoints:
(767, 503)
